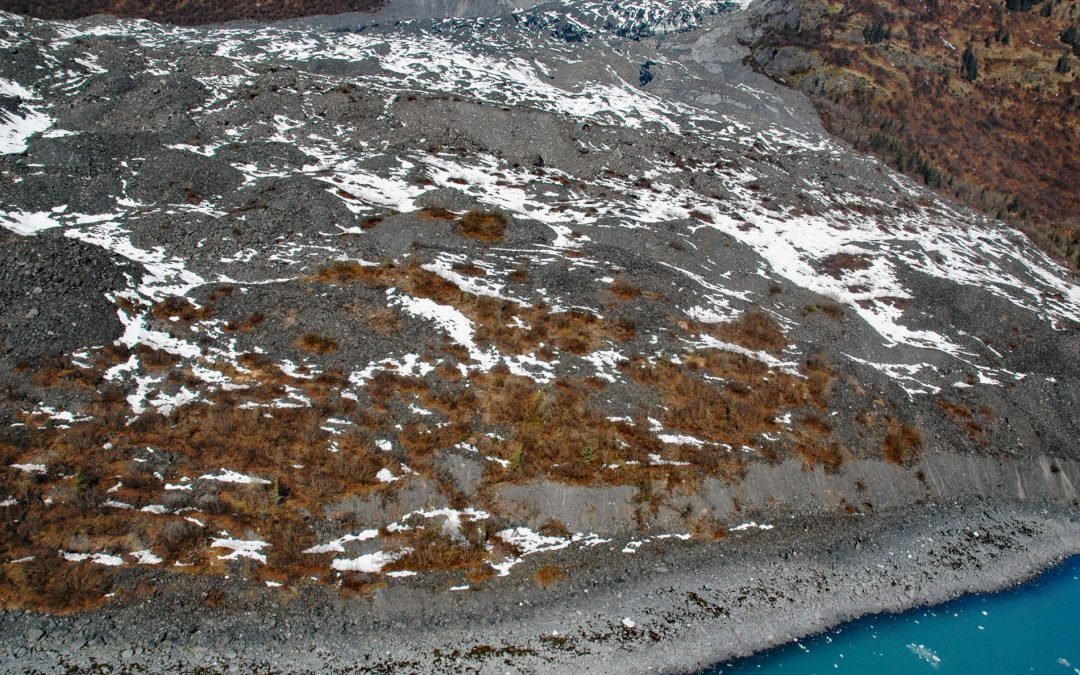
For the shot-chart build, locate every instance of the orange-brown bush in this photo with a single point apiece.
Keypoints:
(753, 329)
(904, 100)
(549, 575)
(486, 226)
(573, 331)
(317, 344)
(903, 443)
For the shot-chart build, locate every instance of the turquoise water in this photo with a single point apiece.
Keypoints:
(1034, 628)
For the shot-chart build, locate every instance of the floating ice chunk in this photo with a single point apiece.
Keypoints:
(926, 654)
(400, 574)
(241, 548)
(627, 622)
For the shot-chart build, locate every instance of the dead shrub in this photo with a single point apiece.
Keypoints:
(549, 575)
(753, 329)
(624, 290)
(903, 443)
(829, 455)
(837, 264)
(181, 309)
(385, 321)
(180, 539)
(52, 584)
(486, 226)
(435, 213)
(315, 343)
(554, 528)
(433, 550)
(469, 269)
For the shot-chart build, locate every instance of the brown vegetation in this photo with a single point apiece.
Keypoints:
(573, 331)
(903, 443)
(317, 344)
(972, 99)
(837, 264)
(754, 329)
(187, 13)
(486, 226)
(549, 575)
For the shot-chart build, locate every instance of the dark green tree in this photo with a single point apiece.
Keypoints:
(876, 32)
(971, 64)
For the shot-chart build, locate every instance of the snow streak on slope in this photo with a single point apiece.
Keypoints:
(511, 62)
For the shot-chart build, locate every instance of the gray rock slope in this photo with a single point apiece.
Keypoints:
(176, 204)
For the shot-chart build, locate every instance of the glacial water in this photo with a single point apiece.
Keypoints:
(1034, 628)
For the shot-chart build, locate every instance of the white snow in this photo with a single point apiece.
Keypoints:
(386, 476)
(106, 559)
(370, 563)
(145, 557)
(16, 128)
(241, 548)
(27, 224)
(338, 545)
(230, 476)
(528, 542)
(30, 468)
(751, 525)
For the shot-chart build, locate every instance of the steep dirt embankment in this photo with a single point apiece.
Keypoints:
(186, 13)
(980, 101)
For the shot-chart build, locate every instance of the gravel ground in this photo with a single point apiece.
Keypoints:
(670, 607)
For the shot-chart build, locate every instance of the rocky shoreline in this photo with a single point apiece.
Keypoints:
(672, 606)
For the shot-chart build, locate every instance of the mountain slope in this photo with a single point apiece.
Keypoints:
(369, 309)
(978, 101)
(184, 12)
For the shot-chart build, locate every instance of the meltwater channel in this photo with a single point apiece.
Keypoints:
(1033, 628)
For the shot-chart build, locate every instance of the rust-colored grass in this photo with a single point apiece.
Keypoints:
(903, 443)
(549, 575)
(574, 331)
(485, 226)
(315, 343)
(435, 213)
(754, 329)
